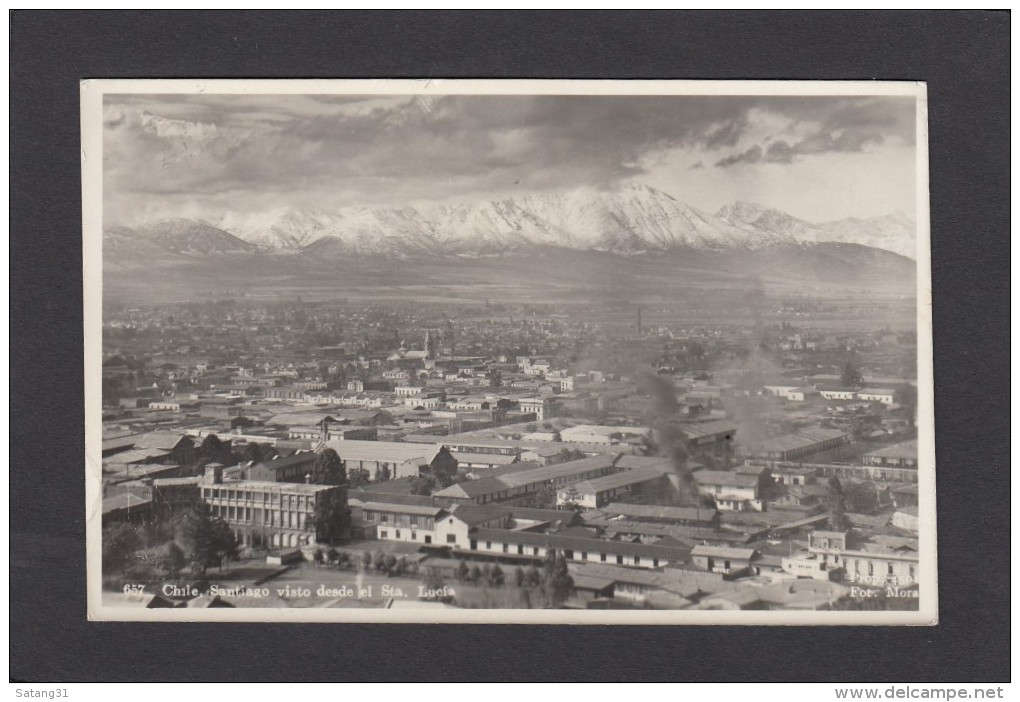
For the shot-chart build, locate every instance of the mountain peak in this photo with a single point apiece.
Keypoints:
(636, 218)
(741, 211)
(183, 235)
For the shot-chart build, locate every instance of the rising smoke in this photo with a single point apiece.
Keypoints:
(670, 440)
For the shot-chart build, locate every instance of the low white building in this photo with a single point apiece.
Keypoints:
(395, 522)
(730, 490)
(883, 395)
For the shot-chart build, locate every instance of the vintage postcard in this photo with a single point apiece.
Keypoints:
(565, 352)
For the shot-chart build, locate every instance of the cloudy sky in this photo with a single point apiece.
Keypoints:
(818, 158)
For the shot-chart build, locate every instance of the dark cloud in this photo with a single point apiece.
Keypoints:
(342, 150)
(846, 141)
(752, 155)
(779, 152)
(726, 134)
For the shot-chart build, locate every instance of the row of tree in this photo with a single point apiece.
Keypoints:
(553, 579)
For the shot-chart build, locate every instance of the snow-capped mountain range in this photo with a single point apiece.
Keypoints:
(628, 221)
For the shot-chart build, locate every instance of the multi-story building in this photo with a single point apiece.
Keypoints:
(731, 490)
(398, 522)
(542, 407)
(592, 494)
(832, 555)
(267, 514)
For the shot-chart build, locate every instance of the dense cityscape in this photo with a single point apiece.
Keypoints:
(325, 452)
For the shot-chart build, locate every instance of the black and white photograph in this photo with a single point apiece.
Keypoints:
(508, 351)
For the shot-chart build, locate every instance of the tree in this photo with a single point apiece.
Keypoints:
(224, 546)
(120, 541)
(560, 584)
(357, 477)
(495, 378)
(366, 560)
(332, 556)
(462, 571)
(572, 499)
(332, 517)
(837, 505)
(519, 576)
(389, 563)
(556, 580)
(328, 469)
(862, 498)
(252, 452)
(443, 476)
(423, 485)
(214, 450)
(570, 454)
(379, 561)
(432, 579)
(496, 576)
(850, 375)
(383, 473)
(318, 557)
(173, 560)
(532, 576)
(475, 575)
(863, 424)
(198, 539)
(549, 565)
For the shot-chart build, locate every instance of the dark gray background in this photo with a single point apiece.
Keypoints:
(964, 57)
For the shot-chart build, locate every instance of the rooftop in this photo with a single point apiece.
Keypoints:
(124, 500)
(496, 459)
(557, 470)
(726, 478)
(723, 552)
(478, 514)
(580, 543)
(391, 507)
(386, 451)
(705, 429)
(907, 449)
(618, 480)
(660, 512)
(135, 455)
(159, 440)
(266, 486)
(472, 488)
(295, 459)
